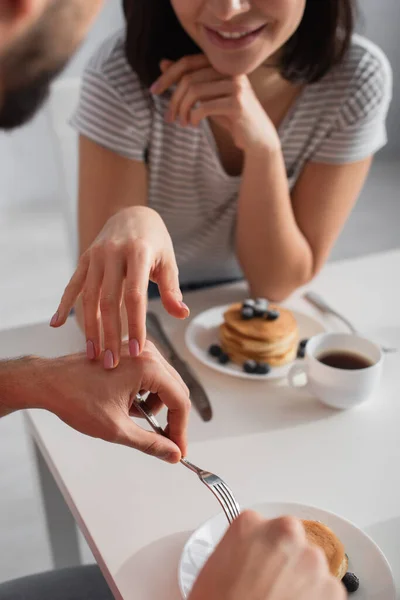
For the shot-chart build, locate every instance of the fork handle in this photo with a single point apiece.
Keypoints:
(140, 403)
(320, 303)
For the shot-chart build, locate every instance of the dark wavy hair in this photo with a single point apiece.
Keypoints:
(320, 42)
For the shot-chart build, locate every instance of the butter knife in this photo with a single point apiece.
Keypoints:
(198, 395)
(319, 303)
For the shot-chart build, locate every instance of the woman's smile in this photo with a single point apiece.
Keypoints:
(233, 37)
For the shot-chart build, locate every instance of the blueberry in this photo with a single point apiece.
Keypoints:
(250, 366)
(247, 313)
(303, 343)
(260, 312)
(272, 315)
(263, 369)
(301, 352)
(249, 303)
(262, 302)
(215, 350)
(351, 582)
(223, 358)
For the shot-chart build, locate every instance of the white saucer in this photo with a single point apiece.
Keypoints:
(365, 558)
(202, 332)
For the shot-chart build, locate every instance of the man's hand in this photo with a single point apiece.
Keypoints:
(98, 403)
(266, 560)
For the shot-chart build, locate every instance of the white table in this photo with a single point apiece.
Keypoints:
(266, 441)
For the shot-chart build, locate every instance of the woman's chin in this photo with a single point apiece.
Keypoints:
(234, 67)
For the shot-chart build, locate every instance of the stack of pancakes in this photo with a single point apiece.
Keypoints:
(320, 535)
(274, 342)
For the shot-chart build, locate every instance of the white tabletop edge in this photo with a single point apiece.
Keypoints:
(71, 505)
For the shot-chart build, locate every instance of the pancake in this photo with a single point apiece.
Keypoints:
(239, 351)
(322, 536)
(250, 345)
(273, 361)
(274, 342)
(261, 329)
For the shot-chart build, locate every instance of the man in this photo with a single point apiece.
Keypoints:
(256, 559)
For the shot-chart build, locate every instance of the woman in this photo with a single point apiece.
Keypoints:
(226, 138)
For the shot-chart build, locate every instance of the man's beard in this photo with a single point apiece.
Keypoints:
(22, 103)
(28, 67)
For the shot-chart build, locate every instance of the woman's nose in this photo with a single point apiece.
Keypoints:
(225, 10)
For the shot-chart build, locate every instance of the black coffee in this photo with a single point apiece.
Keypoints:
(344, 360)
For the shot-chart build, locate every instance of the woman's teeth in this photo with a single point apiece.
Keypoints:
(233, 35)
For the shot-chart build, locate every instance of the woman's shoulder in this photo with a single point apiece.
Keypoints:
(364, 77)
(365, 61)
(109, 66)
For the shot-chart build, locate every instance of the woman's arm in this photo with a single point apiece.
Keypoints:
(282, 241)
(108, 183)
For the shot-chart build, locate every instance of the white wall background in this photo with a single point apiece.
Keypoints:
(28, 172)
(380, 22)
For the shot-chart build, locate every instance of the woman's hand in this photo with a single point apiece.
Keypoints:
(202, 92)
(133, 248)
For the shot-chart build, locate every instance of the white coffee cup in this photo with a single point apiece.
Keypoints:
(336, 387)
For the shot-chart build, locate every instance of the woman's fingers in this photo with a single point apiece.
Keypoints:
(167, 280)
(177, 70)
(212, 108)
(91, 309)
(189, 87)
(135, 295)
(165, 64)
(71, 293)
(199, 93)
(110, 307)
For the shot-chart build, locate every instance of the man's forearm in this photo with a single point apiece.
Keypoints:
(19, 384)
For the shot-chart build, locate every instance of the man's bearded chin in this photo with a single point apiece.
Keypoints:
(33, 61)
(20, 104)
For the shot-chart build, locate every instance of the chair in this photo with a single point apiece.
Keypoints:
(63, 100)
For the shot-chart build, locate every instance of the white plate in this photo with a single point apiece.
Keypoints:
(365, 558)
(203, 331)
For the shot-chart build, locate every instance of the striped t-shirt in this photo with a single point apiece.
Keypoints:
(340, 119)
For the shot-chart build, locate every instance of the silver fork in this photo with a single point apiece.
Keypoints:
(214, 483)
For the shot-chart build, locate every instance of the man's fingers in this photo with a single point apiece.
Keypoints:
(176, 71)
(71, 293)
(110, 306)
(174, 374)
(130, 434)
(175, 398)
(154, 404)
(135, 295)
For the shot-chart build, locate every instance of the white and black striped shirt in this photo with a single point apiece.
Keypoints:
(340, 119)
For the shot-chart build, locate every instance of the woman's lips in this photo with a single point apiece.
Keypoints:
(241, 38)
